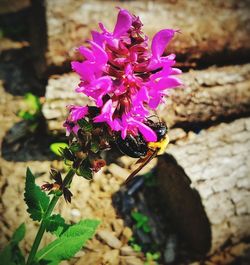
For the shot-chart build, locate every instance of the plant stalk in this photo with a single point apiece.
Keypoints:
(67, 180)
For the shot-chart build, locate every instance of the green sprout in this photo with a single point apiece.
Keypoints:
(134, 245)
(33, 108)
(151, 258)
(141, 221)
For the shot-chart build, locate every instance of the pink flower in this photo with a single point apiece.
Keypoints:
(75, 113)
(124, 76)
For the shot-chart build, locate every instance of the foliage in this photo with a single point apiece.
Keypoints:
(141, 221)
(56, 225)
(33, 108)
(36, 200)
(68, 243)
(151, 258)
(134, 245)
(11, 254)
(58, 147)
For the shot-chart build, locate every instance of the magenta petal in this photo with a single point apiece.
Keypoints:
(87, 53)
(100, 55)
(97, 37)
(168, 82)
(160, 41)
(85, 70)
(78, 112)
(148, 133)
(123, 24)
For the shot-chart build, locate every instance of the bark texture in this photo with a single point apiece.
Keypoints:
(208, 95)
(203, 37)
(216, 163)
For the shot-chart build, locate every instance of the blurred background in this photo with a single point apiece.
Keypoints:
(191, 205)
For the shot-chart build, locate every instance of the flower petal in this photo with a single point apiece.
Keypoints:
(77, 112)
(148, 133)
(160, 41)
(123, 23)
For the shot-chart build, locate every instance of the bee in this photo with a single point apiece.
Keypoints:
(137, 147)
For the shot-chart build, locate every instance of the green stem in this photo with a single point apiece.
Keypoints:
(67, 180)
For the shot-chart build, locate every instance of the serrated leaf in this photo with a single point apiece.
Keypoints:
(36, 200)
(85, 173)
(69, 243)
(57, 148)
(18, 234)
(55, 224)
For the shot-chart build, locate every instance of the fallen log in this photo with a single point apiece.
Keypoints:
(210, 169)
(208, 96)
(203, 37)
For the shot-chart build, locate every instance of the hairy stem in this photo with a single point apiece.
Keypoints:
(67, 180)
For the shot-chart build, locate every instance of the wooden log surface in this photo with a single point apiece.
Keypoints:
(217, 163)
(217, 30)
(208, 95)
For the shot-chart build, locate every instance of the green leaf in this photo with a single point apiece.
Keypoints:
(69, 243)
(18, 234)
(75, 147)
(6, 256)
(57, 148)
(84, 170)
(26, 115)
(33, 102)
(36, 200)
(141, 221)
(136, 247)
(85, 125)
(95, 147)
(56, 224)
(11, 254)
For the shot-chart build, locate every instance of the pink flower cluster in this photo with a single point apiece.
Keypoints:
(124, 77)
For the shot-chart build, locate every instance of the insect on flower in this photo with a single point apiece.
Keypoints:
(137, 147)
(127, 79)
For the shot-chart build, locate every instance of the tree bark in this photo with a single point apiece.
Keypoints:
(218, 92)
(215, 163)
(203, 38)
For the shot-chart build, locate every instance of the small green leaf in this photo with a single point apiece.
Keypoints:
(75, 147)
(69, 243)
(36, 200)
(25, 115)
(56, 224)
(57, 148)
(136, 247)
(85, 125)
(33, 102)
(18, 234)
(141, 221)
(85, 171)
(146, 228)
(95, 147)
